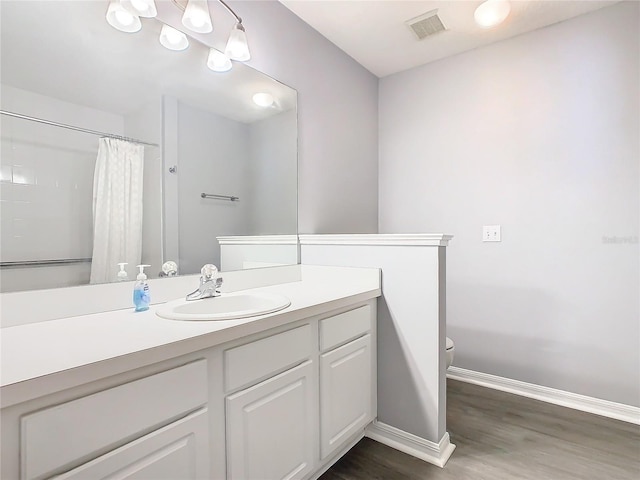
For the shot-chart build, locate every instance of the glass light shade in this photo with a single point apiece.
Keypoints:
(492, 13)
(237, 46)
(173, 39)
(263, 99)
(196, 17)
(122, 19)
(218, 61)
(144, 8)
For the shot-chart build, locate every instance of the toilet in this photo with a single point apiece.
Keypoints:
(450, 350)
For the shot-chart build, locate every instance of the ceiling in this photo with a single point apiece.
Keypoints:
(374, 33)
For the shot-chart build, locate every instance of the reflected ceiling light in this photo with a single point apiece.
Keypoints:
(263, 99)
(173, 39)
(144, 8)
(122, 19)
(237, 47)
(196, 16)
(492, 13)
(218, 61)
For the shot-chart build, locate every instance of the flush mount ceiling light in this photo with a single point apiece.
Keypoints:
(121, 18)
(124, 15)
(263, 99)
(492, 13)
(173, 39)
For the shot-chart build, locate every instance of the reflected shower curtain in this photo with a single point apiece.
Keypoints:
(117, 209)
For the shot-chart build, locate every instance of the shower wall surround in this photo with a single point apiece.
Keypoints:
(46, 191)
(47, 188)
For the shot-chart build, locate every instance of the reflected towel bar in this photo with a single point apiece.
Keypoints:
(220, 197)
(43, 263)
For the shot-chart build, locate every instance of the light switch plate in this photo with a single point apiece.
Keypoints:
(491, 233)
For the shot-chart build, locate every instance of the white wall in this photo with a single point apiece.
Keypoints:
(46, 189)
(337, 118)
(538, 133)
(411, 326)
(273, 175)
(213, 154)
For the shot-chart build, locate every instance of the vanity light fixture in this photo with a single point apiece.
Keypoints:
(144, 8)
(237, 47)
(492, 13)
(124, 15)
(196, 16)
(173, 39)
(122, 19)
(218, 61)
(263, 99)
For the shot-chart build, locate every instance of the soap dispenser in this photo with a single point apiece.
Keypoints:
(122, 274)
(141, 297)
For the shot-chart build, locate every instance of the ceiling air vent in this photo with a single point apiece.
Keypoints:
(426, 25)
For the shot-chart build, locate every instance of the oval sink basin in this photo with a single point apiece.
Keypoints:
(225, 307)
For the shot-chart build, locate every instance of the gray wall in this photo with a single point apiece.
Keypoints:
(272, 175)
(337, 118)
(213, 154)
(538, 133)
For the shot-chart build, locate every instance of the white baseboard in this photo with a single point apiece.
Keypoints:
(605, 408)
(435, 453)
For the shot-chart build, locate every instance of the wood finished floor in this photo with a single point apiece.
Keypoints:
(500, 436)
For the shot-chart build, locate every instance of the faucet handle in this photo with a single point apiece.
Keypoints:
(209, 271)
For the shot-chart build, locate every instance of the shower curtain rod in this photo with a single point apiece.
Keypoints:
(78, 129)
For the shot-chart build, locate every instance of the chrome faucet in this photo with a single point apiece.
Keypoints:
(210, 282)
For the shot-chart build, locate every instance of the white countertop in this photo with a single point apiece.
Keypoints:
(130, 339)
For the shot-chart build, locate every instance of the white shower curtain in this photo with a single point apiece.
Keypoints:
(117, 209)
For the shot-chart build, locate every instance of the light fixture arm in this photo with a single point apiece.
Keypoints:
(230, 10)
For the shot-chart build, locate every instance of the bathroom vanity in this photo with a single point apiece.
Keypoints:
(281, 395)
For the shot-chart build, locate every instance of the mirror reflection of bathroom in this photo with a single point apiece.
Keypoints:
(102, 166)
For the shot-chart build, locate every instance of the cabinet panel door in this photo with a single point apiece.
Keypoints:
(271, 426)
(177, 451)
(97, 423)
(346, 396)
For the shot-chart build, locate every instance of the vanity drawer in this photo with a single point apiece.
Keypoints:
(341, 328)
(258, 360)
(82, 429)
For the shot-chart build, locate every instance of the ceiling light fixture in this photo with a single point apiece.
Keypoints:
(122, 19)
(173, 39)
(492, 13)
(124, 15)
(263, 99)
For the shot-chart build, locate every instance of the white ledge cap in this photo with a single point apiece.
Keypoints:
(406, 239)
(258, 240)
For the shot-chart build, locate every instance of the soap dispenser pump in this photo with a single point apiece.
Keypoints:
(141, 296)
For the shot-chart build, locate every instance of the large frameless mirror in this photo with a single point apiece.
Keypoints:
(204, 160)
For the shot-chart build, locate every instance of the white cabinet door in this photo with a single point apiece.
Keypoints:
(177, 451)
(271, 427)
(346, 396)
(97, 423)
